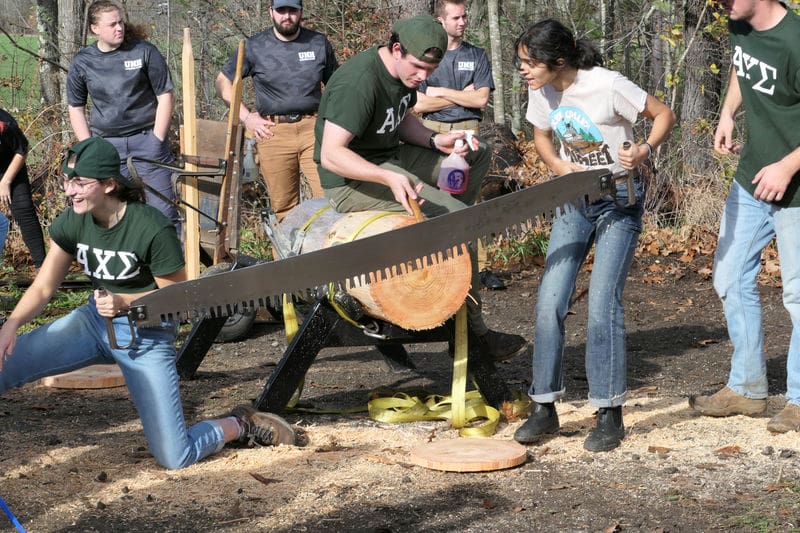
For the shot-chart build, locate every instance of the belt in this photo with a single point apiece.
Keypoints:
(444, 127)
(291, 118)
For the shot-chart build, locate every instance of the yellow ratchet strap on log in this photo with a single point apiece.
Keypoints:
(331, 289)
(314, 217)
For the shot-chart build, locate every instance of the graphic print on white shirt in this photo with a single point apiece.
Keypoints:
(580, 138)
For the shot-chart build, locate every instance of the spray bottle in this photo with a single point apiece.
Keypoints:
(454, 172)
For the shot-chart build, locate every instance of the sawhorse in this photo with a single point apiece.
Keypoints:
(323, 327)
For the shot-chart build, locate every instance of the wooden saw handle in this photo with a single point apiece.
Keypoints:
(415, 208)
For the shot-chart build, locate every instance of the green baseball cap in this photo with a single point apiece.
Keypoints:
(419, 34)
(95, 158)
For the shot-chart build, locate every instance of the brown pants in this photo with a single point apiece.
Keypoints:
(281, 159)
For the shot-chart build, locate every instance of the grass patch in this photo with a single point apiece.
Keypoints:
(522, 249)
(62, 303)
(19, 75)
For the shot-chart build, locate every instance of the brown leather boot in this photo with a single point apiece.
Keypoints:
(727, 403)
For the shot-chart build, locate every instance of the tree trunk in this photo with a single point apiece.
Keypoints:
(496, 49)
(71, 27)
(412, 8)
(49, 75)
(71, 30)
(701, 92)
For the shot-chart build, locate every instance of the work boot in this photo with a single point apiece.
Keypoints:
(727, 403)
(609, 431)
(490, 280)
(787, 420)
(543, 421)
(265, 429)
(502, 346)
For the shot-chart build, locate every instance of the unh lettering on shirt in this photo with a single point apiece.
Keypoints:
(133, 64)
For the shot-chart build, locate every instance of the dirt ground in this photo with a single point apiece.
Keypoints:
(77, 460)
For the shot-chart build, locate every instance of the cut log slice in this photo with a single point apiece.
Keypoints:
(418, 295)
(90, 377)
(469, 455)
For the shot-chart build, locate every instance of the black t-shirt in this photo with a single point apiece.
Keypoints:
(287, 75)
(123, 85)
(12, 142)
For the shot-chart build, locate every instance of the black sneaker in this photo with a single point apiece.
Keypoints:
(502, 346)
(265, 429)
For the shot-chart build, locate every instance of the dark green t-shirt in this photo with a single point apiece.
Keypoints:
(123, 258)
(363, 98)
(767, 66)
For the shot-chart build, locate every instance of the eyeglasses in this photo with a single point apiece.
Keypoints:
(75, 183)
(530, 63)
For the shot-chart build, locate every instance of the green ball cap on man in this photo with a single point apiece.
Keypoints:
(419, 34)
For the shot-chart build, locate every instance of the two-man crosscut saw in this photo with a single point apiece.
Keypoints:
(373, 258)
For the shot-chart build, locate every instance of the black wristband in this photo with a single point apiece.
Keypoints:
(649, 148)
(432, 142)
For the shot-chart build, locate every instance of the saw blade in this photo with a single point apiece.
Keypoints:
(373, 258)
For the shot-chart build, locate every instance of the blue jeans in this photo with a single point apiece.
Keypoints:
(748, 225)
(615, 231)
(3, 232)
(80, 339)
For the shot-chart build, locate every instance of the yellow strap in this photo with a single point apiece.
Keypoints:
(314, 217)
(290, 323)
(291, 326)
(401, 407)
(459, 386)
(467, 411)
(338, 308)
(367, 222)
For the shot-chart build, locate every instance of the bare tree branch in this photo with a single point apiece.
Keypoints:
(31, 52)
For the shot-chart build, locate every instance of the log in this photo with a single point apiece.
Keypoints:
(90, 377)
(418, 299)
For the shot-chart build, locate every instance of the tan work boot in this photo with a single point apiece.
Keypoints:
(265, 429)
(787, 420)
(727, 403)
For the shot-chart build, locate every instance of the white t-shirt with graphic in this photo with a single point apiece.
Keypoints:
(591, 118)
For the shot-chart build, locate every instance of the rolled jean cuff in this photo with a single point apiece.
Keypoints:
(549, 397)
(603, 403)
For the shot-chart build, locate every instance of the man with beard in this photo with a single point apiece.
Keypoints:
(288, 64)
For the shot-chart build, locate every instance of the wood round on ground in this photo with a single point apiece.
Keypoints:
(90, 377)
(469, 455)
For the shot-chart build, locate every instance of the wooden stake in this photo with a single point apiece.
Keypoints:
(229, 193)
(190, 193)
